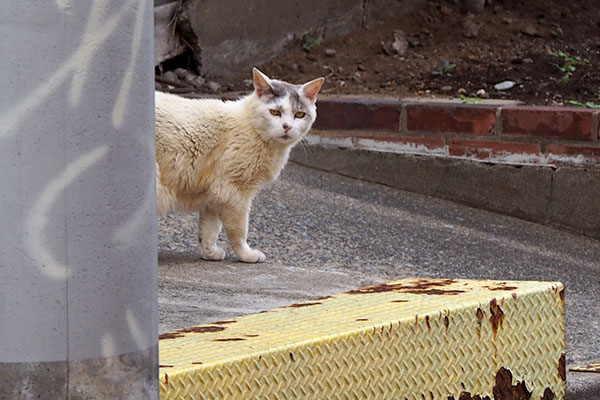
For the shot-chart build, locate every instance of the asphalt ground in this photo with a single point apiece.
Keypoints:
(323, 234)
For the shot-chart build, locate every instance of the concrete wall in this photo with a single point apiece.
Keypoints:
(228, 37)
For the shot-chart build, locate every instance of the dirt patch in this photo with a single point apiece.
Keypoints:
(510, 40)
(442, 52)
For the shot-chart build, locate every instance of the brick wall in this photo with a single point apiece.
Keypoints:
(494, 132)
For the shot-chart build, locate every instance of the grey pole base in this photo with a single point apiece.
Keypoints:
(128, 376)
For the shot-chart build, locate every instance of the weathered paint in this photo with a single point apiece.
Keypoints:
(438, 338)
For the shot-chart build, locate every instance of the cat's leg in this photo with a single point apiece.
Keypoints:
(209, 227)
(235, 220)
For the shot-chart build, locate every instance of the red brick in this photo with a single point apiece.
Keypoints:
(484, 149)
(450, 118)
(560, 122)
(353, 114)
(589, 152)
(429, 142)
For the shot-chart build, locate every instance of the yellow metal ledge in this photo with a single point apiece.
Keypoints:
(593, 367)
(409, 339)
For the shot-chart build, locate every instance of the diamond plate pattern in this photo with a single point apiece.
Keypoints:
(409, 339)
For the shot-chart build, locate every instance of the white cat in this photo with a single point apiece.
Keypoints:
(212, 156)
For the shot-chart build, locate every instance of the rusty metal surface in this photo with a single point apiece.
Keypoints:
(438, 338)
(593, 367)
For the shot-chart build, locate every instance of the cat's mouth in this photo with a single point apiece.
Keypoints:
(285, 137)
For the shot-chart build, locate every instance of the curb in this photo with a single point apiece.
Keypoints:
(536, 163)
(494, 131)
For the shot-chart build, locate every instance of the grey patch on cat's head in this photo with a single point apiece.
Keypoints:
(280, 89)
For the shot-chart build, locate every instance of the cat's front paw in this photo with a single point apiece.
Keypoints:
(252, 256)
(212, 253)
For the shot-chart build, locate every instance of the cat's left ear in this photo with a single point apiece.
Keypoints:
(311, 89)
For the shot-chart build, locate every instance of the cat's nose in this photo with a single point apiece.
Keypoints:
(286, 127)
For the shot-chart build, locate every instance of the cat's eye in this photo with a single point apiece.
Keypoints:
(299, 114)
(276, 113)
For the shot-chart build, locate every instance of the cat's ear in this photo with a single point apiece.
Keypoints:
(311, 89)
(261, 83)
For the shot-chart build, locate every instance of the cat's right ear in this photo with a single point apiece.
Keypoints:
(261, 83)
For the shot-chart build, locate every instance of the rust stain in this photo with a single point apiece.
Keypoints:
(165, 366)
(494, 288)
(514, 296)
(447, 322)
(562, 295)
(323, 298)
(292, 356)
(361, 319)
(223, 322)
(166, 378)
(505, 390)
(497, 316)
(201, 329)
(170, 335)
(479, 315)
(501, 286)
(562, 367)
(298, 305)
(197, 363)
(400, 301)
(233, 339)
(427, 322)
(250, 335)
(421, 286)
(548, 394)
(468, 396)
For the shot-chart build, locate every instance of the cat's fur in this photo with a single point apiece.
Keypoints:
(213, 156)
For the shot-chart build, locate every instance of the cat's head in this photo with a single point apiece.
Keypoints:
(283, 112)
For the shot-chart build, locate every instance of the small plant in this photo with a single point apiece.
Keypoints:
(567, 64)
(587, 104)
(445, 68)
(310, 42)
(472, 100)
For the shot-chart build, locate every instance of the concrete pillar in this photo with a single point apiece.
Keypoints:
(78, 259)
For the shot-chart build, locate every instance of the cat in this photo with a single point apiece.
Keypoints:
(213, 156)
